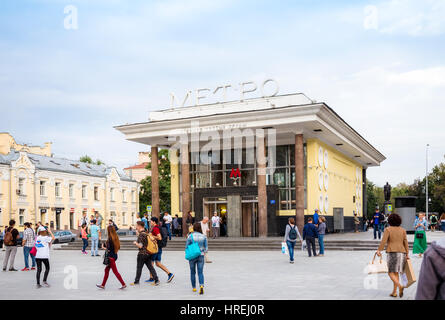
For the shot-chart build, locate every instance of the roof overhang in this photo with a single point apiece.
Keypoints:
(313, 120)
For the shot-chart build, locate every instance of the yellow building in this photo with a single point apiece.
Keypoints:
(257, 162)
(36, 187)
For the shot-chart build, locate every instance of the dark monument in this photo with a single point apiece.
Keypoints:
(387, 204)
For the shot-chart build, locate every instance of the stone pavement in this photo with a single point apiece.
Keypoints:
(233, 275)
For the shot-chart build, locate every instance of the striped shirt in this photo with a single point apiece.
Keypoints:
(29, 236)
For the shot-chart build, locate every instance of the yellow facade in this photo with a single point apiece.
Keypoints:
(31, 194)
(340, 179)
(7, 142)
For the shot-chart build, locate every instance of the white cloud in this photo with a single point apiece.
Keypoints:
(412, 17)
(179, 9)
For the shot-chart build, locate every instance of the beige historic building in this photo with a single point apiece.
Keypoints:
(37, 187)
(139, 171)
(7, 142)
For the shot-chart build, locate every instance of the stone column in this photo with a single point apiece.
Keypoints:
(299, 181)
(185, 178)
(262, 193)
(155, 182)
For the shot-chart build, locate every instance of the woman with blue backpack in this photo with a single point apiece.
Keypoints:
(290, 237)
(195, 247)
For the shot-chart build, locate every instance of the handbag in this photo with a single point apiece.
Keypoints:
(193, 250)
(374, 267)
(33, 251)
(419, 235)
(106, 258)
(152, 244)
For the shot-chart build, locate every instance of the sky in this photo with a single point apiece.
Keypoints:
(379, 64)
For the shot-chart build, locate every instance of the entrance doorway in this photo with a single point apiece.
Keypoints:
(218, 205)
(249, 207)
(71, 220)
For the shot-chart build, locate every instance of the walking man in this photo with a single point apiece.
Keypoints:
(376, 224)
(216, 223)
(10, 241)
(310, 233)
(156, 258)
(28, 242)
(168, 223)
(206, 232)
(144, 257)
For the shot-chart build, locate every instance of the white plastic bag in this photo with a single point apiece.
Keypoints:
(303, 245)
(284, 249)
(403, 279)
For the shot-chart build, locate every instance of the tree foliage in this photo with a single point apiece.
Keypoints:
(87, 159)
(164, 184)
(436, 192)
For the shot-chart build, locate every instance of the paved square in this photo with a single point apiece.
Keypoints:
(232, 275)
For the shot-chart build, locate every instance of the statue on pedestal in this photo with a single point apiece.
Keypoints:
(387, 192)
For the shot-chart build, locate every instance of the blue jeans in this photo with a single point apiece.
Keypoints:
(321, 243)
(85, 244)
(377, 229)
(26, 253)
(200, 263)
(169, 230)
(291, 247)
(95, 246)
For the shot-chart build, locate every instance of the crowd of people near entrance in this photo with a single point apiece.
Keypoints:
(152, 235)
(314, 229)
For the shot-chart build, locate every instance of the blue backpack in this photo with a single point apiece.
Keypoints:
(193, 250)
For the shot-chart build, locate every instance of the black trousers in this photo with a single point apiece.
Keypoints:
(39, 269)
(145, 259)
(310, 242)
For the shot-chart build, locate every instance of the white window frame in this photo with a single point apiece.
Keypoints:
(71, 190)
(21, 186)
(84, 192)
(22, 215)
(42, 188)
(111, 194)
(57, 189)
(96, 193)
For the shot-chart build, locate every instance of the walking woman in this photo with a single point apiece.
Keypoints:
(290, 237)
(112, 246)
(321, 233)
(42, 245)
(420, 227)
(196, 236)
(397, 251)
(84, 236)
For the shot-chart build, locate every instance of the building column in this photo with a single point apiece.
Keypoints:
(155, 182)
(299, 181)
(185, 179)
(262, 191)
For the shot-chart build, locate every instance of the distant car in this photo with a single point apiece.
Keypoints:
(64, 236)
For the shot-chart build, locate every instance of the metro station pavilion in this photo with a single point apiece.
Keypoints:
(320, 163)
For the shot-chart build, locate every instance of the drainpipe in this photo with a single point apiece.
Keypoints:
(10, 193)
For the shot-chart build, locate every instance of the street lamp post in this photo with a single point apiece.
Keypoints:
(426, 187)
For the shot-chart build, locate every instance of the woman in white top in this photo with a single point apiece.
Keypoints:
(43, 242)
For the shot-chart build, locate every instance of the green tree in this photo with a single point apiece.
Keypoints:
(164, 185)
(87, 159)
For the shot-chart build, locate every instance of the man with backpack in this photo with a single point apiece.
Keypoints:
(161, 235)
(10, 241)
(144, 257)
(290, 237)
